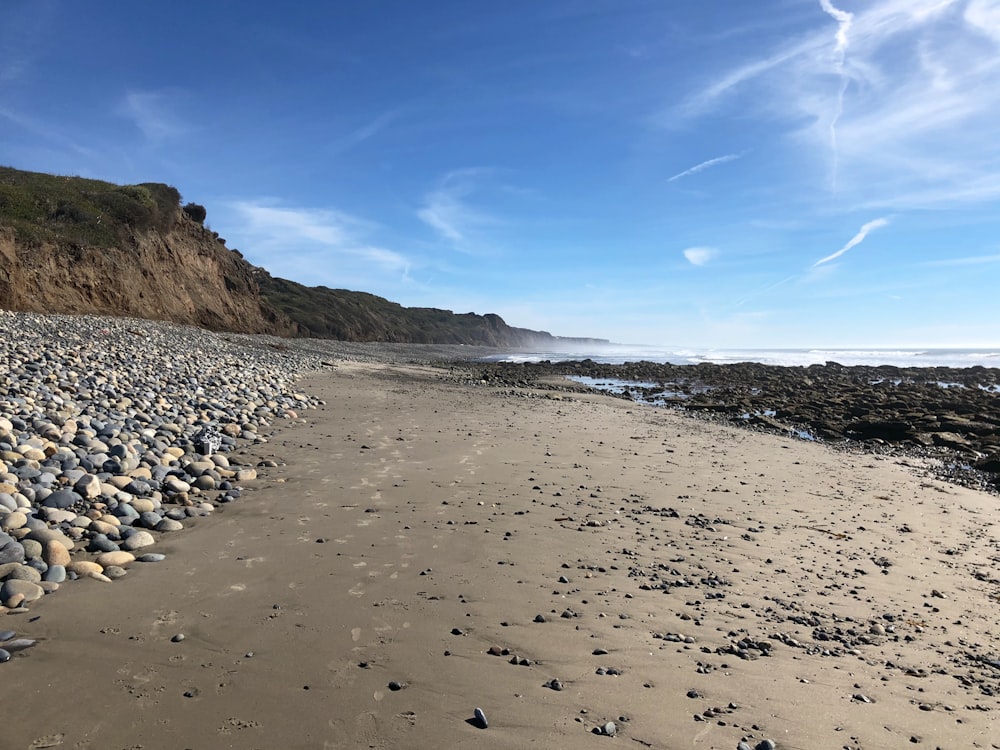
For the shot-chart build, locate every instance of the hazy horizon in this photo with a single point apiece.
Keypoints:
(782, 174)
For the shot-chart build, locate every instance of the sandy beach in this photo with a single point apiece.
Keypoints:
(587, 571)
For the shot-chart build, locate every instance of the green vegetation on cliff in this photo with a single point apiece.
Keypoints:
(358, 316)
(49, 208)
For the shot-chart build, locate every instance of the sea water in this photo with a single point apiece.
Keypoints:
(620, 353)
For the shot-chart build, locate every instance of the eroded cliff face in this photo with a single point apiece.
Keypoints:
(186, 275)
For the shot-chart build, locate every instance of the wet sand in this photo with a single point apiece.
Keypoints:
(744, 586)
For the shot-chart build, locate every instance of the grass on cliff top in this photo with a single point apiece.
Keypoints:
(44, 207)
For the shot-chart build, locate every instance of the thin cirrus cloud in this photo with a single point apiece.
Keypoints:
(975, 260)
(277, 231)
(699, 256)
(447, 208)
(154, 114)
(895, 98)
(705, 165)
(856, 240)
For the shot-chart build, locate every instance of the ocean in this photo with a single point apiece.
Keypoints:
(619, 353)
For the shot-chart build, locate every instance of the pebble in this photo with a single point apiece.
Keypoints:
(480, 718)
(104, 437)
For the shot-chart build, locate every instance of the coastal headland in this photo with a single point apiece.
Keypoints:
(415, 538)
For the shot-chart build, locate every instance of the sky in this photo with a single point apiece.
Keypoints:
(775, 173)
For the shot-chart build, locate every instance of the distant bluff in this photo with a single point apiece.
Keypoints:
(79, 246)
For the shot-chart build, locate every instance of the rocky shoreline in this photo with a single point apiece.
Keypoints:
(950, 416)
(113, 432)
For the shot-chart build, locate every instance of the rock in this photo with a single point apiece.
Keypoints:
(610, 729)
(55, 553)
(62, 499)
(55, 574)
(88, 487)
(119, 558)
(43, 535)
(173, 485)
(142, 505)
(26, 590)
(114, 572)
(149, 519)
(11, 550)
(84, 567)
(138, 540)
(480, 718)
(4, 656)
(24, 573)
(32, 549)
(151, 557)
(15, 520)
(169, 524)
(19, 644)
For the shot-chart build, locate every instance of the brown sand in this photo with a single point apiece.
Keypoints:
(409, 507)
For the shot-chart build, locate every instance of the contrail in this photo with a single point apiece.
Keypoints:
(855, 240)
(705, 165)
(843, 19)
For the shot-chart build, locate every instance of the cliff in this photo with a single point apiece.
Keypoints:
(79, 246)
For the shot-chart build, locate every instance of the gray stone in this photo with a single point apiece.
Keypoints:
(149, 519)
(114, 572)
(62, 499)
(169, 524)
(101, 543)
(24, 573)
(55, 574)
(32, 549)
(11, 550)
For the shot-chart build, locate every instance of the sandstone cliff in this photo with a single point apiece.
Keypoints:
(80, 246)
(184, 276)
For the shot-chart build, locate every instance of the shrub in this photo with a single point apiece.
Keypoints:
(196, 212)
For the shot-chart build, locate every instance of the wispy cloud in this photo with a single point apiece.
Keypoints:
(705, 165)
(375, 126)
(154, 114)
(447, 209)
(699, 256)
(854, 241)
(45, 131)
(844, 20)
(901, 99)
(976, 260)
(284, 232)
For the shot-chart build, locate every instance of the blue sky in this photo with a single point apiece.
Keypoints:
(722, 173)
